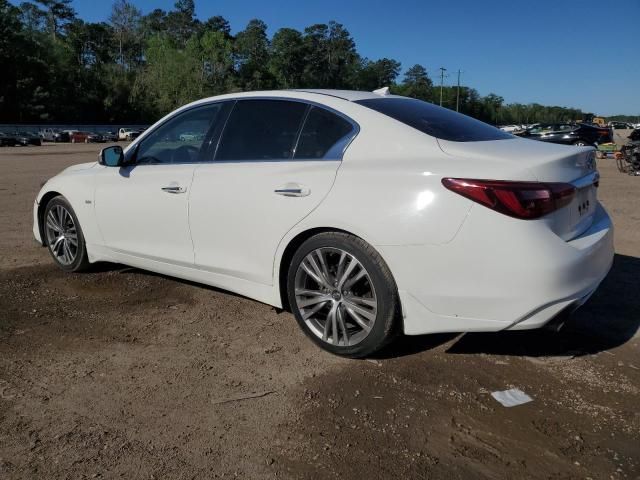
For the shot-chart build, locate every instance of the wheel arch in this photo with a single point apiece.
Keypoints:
(44, 201)
(293, 245)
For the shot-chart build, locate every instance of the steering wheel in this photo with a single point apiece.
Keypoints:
(185, 154)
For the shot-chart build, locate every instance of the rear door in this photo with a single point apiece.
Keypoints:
(275, 162)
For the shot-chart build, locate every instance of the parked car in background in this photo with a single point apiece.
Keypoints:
(54, 135)
(620, 125)
(86, 137)
(510, 128)
(191, 137)
(7, 140)
(127, 134)
(95, 137)
(568, 134)
(110, 136)
(364, 214)
(27, 138)
(78, 136)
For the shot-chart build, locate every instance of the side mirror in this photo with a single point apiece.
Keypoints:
(112, 156)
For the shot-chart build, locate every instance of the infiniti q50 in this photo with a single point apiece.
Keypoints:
(365, 214)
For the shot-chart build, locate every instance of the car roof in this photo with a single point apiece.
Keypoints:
(350, 95)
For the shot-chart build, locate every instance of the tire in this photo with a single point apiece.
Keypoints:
(370, 301)
(56, 223)
(581, 143)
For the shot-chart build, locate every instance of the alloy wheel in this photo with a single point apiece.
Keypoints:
(335, 296)
(62, 234)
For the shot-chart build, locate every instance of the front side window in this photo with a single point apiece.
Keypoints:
(180, 139)
(435, 121)
(261, 130)
(324, 135)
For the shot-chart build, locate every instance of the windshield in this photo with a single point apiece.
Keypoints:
(436, 121)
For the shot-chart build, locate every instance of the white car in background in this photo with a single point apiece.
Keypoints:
(364, 214)
(127, 134)
(510, 128)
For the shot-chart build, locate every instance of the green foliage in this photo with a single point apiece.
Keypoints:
(136, 68)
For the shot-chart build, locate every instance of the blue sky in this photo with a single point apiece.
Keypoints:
(580, 53)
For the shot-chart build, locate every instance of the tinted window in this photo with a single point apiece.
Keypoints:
(180, 139)
(435, 121)
(322, 130)
(261, 130)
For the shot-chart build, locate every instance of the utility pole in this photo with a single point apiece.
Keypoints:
(458, 93)
(442, 70)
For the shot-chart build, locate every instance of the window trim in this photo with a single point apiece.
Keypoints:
(337, 155)
(337, 151)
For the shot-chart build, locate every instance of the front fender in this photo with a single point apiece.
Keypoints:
(77, 186)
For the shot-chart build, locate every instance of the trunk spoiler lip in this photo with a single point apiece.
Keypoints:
(589, 179)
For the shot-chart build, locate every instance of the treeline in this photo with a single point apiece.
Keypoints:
(133, 68)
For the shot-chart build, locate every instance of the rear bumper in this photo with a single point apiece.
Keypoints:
(499, 273)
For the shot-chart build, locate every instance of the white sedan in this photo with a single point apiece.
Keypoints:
(365, 214)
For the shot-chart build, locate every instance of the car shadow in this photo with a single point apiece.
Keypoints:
(609, 319)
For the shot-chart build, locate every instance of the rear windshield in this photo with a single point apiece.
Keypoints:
(435, 121)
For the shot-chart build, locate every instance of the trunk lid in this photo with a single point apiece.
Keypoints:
(547, 163)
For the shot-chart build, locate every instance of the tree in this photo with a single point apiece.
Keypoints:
(58, 14)
(252, 56)
(216, 62)
(331, 56)
(137, 67)
(217, 24)
(180, 24)
(287, 58)
(492, 104)
(125, 20)
(32, 17)
(417, 83)
(374, 75)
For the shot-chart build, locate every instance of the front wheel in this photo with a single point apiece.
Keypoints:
(581, 143)
(64, 237)
(343, 294)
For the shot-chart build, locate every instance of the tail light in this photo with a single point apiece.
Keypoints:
(525, 200)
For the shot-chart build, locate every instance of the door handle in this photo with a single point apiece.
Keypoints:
(174, 189)
(293, 190)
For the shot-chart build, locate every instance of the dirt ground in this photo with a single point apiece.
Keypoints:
(123, 373)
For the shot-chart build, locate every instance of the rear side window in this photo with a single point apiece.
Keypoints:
(435, 121)
(261, 130)
(324, 135)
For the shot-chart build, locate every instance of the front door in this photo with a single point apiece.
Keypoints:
(143, 208)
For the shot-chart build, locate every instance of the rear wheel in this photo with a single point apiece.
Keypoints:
(581, 143)
(64, 236)
(343, 294)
